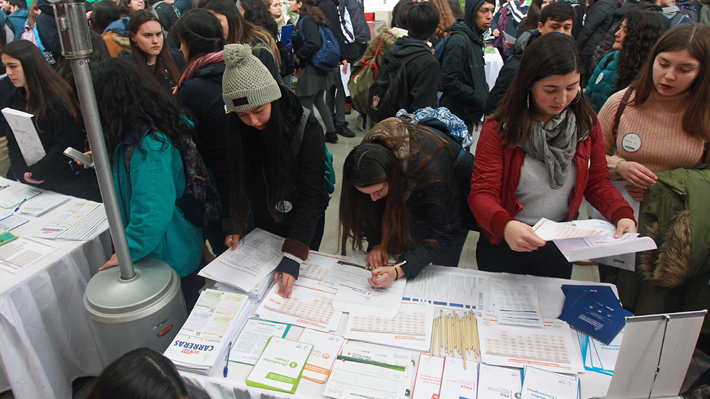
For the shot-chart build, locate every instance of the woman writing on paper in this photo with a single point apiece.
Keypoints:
(537, 156)
(40, 91)
(404, 191)
(277, 162)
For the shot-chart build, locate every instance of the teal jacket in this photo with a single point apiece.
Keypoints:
(154, 225)
(602, 84)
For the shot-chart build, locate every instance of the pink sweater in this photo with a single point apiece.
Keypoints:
(661, 142)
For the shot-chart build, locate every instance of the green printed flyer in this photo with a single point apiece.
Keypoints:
(280, 366)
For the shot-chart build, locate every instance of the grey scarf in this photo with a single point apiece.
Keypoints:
(555, 144)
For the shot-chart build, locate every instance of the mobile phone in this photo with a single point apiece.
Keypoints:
(79, 156)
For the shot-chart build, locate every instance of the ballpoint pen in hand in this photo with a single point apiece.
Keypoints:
(18, 207)
(391, 267)
(226, 365)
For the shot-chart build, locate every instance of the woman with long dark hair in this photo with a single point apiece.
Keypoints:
(277, 161)
(200, 90)
(404, 190)
(256, 12)
(533, 16)
(40, 91)
(638, 33)
(237, 30)
(146, 135)
(150, 52)
(538, 155)
(312, 82)
(656, 135)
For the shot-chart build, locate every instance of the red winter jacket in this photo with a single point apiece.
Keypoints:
(496, 175)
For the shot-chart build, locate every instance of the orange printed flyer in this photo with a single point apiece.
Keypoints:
(326, 348)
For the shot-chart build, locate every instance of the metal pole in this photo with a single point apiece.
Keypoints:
(76, 46)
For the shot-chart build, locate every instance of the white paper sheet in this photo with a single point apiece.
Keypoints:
(356, 296)
(255, 257)
(598, 356)
(21, 253)
(546, 384)
(459, 382)
(448, 286)
(25, 134)
(318, 265)
(498, 382)
(10, 221)
(411, 328)
(515, 304)
(326, 348)
(310, 306)
(12, 200)
(44, 203)
(427, 382)
(280, 365)
(602, 245)
(78, 223)
(253, 338)
(550, 348)
(549, 230)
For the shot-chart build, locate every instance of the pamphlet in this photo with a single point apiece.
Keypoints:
(597, 356)
(326, 347)
(280, 366)
(253, 338)
(25, 135)
(498, 382)
(539, 383)
(596, 316)
(427, 383)
(459, 382)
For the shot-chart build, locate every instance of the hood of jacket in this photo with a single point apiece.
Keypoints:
(119, 26)
(476, 37)
(470, 10)
(524, 41)
(22, 13)
(406, 45)
(629, 4)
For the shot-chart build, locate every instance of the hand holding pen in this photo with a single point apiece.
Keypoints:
(383, 277)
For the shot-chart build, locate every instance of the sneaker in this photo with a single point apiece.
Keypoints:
(344, 131)
(361, 122)
(331, 137)
(348, 109)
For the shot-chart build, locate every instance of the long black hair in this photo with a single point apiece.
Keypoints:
(274, 143)
(140, 374)
(164, 61)
(129, 102)
(643, 29)
(201, 31)
(105, 12)
(256, 12)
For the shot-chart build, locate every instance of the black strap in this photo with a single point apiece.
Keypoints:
(620, 110)
(298, 137)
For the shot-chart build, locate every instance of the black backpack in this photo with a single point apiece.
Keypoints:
(389, 93)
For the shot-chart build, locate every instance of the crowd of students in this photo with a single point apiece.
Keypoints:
(216, 74)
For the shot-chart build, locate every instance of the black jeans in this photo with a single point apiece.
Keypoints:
(546, 261)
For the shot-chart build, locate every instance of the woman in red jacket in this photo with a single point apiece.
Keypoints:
(538, 156)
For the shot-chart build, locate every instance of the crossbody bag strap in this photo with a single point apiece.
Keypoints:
(620, 110)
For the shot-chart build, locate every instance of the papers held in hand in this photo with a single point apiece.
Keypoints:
(25, 134)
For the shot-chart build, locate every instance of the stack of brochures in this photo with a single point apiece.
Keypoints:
(594, 310)
(539, 383)
(250, 267)
(212, 324)
(255, 294)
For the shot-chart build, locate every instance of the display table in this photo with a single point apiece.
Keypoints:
(494, 63)
(45, 335)
(551, 299)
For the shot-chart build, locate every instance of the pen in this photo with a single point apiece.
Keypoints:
(18, 207)
(391, 267)
(226, 365)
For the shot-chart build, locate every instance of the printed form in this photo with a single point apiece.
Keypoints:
(447, 286)
(410, 329)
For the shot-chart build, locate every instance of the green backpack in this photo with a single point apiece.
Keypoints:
(329, 178)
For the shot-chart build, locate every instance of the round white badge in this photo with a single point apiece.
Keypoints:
(631, 142)
(599, 78)
(284, 206)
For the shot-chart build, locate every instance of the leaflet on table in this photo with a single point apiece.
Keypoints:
(543, 384)
(372, 372)
(498, 382)
(356, 296)
(209, 328)
(12, 200)
(319, 264)
(573, 292)
(550, 348)
(25, 134)
(255, 294)
(21, 253)
(516, 303)
(447, 286)
(459, 382)
(410, 329)
(310, 306)
(430, 371)
(9, 221)
(280, 366)
(598, 356)
(77, 223)
(596, 317)
(255, 257)
(326, 348)
(44, 203)
(253, 338)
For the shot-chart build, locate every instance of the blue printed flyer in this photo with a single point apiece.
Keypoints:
(596, 316)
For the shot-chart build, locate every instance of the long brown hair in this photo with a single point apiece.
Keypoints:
(696, 39)
(240, 30)
(393, 152)
(552, 54)
(42, 83)
(164, 60)
(309, 7)
(446, 18)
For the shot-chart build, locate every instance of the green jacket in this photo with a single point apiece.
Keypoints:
(154, 225)
(674, 277)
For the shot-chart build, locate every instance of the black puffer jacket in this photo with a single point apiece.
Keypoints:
(463, 74)
(597, 23)
(306, 201)
(47, 29)
(330, 9)
(422, 73)
(507, 73)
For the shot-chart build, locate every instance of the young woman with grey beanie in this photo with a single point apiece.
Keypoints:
(277, 171)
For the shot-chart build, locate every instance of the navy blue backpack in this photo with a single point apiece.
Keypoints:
(327, 57)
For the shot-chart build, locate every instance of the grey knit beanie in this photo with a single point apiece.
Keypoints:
(246, 82)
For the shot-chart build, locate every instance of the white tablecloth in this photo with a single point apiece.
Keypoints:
(494, 63)
(215, 386)
(45, 335)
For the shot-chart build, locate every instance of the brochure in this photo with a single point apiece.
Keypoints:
(280, 366)
(539, 383)
(326, 347)
(253, 338)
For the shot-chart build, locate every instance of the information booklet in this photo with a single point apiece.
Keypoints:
(25, 134)
(543, 384)
(280, 366)
(253, 338)
(326, 347)
(595, 313)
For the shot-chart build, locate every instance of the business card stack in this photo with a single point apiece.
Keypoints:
(205, 336)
